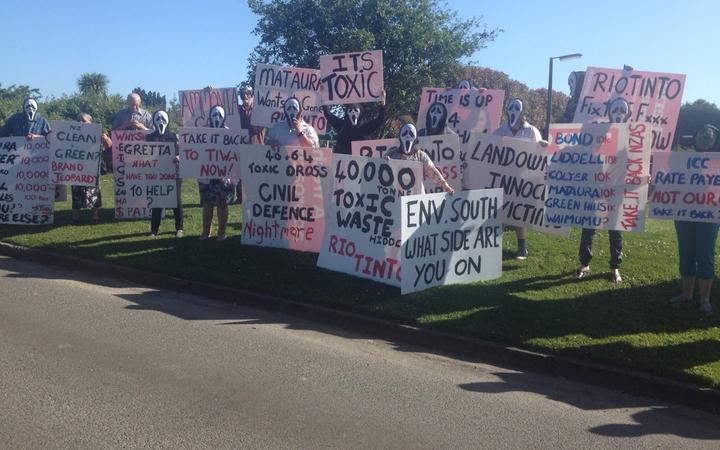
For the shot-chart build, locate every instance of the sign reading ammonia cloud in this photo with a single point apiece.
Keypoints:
(518, 167)
(686, 186)
(655, 99)
(598, 176)
(195, 106)
(151, 173)
(211, 152)
(26, 195)
(355, 77)
(284, 192)
(275, 84)
(450, 239)
(362, 230)
(75, 153)
(126, 207)
(466, 110)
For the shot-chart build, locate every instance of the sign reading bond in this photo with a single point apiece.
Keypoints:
(598, 176)
(686, 186)
(283, 196)
(211, 152)
(352, 77)
(195, 106)
(517, 166)
(362, 236)
(74, 153)
(654, 100)
(465, 110)
(151, 172)
(275, 84)
(26, 195)
(450, 239)
(126, 207)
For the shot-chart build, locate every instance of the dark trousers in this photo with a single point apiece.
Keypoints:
(586, 240)
(157, 212)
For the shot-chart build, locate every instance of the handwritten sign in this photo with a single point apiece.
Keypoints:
(26, 194)
(597, 176)
(654, 98)
(126, 207)
(151, 172)
(275, 84)
(284, 196)
(466, 110)
(195, 106)
(686, 186)
(362, 231)
(352, 77)
(451, 239)
(374, 148)
(211, 152)
(75, 153)
(444, 150)
(517, 166)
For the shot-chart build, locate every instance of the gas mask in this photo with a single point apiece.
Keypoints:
(514, 112)
(160, 119)
(436, 118)
(30, 108)
(291, 110)
(463, 84)
(618, 111)
(353, 114)
(407, 137)
(217, 117)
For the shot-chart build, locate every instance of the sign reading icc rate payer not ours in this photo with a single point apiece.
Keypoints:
(654, 99)
(597, 176)
(362, 230)
(275, 84)
(26, 195)
(284, 192)
(352, 77)
(126, 207)
(211, 152)
(686, 186)
(151, 172)
(195, 106)
(74, 153)
(518, 167)
(450, 239)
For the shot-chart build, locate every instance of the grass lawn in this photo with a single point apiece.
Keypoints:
(536, 304)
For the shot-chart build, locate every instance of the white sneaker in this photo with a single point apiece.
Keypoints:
(179, 234)
(153, 235)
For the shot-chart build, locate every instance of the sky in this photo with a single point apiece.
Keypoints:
(168, 46)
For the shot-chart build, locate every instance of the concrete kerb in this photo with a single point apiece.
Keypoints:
(449, 344)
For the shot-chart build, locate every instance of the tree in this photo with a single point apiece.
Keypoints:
(423, 44)
(11, 99)
(151, 99)
(92, 83)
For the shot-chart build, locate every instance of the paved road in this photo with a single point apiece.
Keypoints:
(92, 363)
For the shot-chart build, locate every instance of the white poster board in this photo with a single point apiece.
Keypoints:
(75, 149)
(151, 172)
(355, 77)
(125, 206)
(195, 106)
(26, 194)
(211, 152)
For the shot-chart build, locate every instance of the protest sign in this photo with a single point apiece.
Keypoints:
(362, 230)
(466, 110)
(211, 152)
(195, 106)
(451, 239)
(275, 84)
(654, 99)
(150, 173)
(518, 167)
(126, 207)
(444, 150)
(355, 77)
(284, 192)
(74, 153)
(374, 148)
(598, 176)
(26, 194)
(686, 186)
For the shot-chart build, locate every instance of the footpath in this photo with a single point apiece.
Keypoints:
(449, 344)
